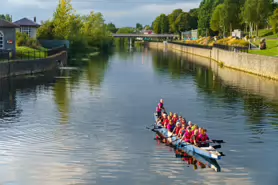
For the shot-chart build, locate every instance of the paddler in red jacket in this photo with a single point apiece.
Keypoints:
(194, 139)
(177, 128)
(175, 118)
(203, 138)
(160, 107)
(182, 131)
(186, 137)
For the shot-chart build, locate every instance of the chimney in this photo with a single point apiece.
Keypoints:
(35, 19)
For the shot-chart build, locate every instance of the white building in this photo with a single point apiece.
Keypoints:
(27, 26)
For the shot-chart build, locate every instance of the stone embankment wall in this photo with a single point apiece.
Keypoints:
(255, 64)
(24, 67)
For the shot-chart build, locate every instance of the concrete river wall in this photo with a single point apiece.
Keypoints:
(256, 64)
(24, 67)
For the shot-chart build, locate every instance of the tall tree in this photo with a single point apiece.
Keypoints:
(94, 28)
(6, 17)
(256, 12)
(184, 21)
(45, 31)
(156, 25)
(147, 27)
(217, 22)
(274, 21)
(232, 13)
(111, 27)
(172, 20)
(204, 15)
(194, 18)
(164, 23)
(139, 26)
(62, 21)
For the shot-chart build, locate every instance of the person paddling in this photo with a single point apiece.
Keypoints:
(175, 118)
(177, 128)
(194, 139)
(166, 121)
(182, 131)
(170, 126)
(190, 124)
(160, 107)
(204, 139)
(186, 137)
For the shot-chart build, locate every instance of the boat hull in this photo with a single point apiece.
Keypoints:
(208, 152)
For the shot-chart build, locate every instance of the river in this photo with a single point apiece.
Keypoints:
(90, 127)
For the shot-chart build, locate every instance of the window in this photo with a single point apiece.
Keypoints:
(1, 40)
(26, 30)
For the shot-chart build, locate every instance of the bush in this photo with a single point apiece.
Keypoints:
(233, 42)
(23, 39)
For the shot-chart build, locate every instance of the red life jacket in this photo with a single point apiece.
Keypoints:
(203, 138)
(187, 137)
(178, 130)
(165, 122)
(175, 120)
(192, 139)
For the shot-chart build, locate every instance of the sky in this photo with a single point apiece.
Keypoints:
(120, 12)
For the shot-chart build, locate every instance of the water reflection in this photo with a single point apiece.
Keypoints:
(11, 90)
(208, 77)
(94, 71)
(106, 104)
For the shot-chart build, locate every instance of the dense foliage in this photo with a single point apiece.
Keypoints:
(176, 22)
(88, 31)
(220, 17)
(22, 39)
(6, 17)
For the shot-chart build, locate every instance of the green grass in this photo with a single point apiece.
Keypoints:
(268, 34)
(23, 52)
(271, 48)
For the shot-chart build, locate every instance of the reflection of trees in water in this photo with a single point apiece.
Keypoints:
(8, 104)
(124, 53)
(61, 96)
(27, 85)
(168, 63)
(95, 70)
(177, 67)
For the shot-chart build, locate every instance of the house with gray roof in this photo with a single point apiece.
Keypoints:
(28, 26)
(7, 37)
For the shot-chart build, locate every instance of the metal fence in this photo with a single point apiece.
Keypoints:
(6, 55)
(219, 46)
(191, 45)
(231, 48)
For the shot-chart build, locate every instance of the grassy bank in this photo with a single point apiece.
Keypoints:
(23, 52)
(267, 34)
(271, 50)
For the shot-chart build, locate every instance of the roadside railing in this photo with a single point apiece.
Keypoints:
(232, 48)
(191, 45)
(30, 54)
(4, 54)
(219, 46)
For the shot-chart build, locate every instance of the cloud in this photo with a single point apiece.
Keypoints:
(145, 14)
(120, 12)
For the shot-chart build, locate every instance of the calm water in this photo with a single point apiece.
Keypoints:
(89, 128)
